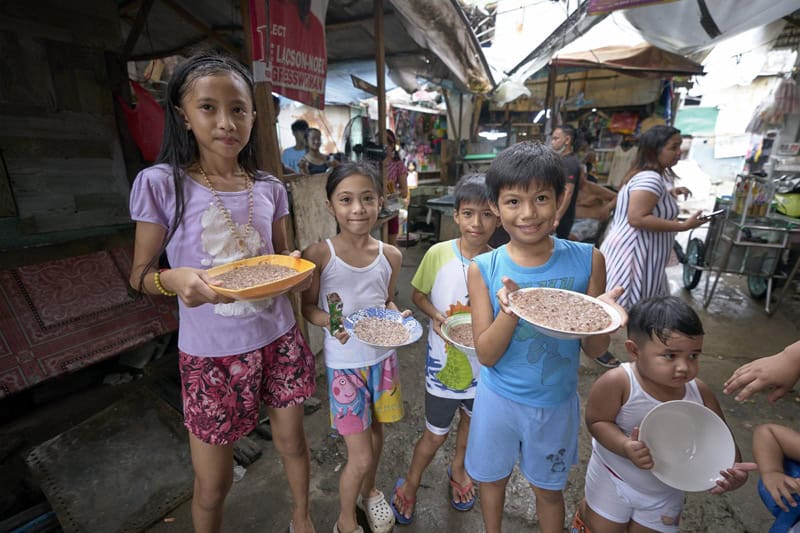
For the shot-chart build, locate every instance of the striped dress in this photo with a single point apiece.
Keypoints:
(636, 259)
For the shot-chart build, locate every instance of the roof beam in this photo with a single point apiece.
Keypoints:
(202, 26)
(136, 28)
(344, 24)
(166, 53)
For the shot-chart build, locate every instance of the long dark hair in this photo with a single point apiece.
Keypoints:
(650, 144)
(391, 139)
(179, 147)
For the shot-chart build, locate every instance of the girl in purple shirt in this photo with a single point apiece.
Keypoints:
(206, 204)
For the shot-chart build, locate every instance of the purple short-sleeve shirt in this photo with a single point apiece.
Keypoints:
(204, 240)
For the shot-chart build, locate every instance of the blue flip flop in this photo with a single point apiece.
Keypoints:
(455, 486)
(399, 517)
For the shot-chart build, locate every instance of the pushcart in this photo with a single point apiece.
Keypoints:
(761, 245)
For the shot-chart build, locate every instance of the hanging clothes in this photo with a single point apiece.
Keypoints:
(620, 165)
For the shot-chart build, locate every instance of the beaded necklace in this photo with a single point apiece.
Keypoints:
(240, 238)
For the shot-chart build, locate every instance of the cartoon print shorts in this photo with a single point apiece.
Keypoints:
(358, 394)
(221, 395)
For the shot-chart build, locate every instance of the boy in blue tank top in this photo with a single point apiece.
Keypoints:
(526, 405)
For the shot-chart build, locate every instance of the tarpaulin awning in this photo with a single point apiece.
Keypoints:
(682, 27)
(421, 39)
(643, 60)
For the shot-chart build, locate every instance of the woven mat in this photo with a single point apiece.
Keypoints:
(60, 316)
(120, 470)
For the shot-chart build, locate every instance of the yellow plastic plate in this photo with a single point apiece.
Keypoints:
(265, 290)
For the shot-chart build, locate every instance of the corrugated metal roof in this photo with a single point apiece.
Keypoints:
(426, 39)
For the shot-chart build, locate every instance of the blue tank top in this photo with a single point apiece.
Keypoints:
(537, 370)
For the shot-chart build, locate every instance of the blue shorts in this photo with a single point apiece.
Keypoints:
(544, 439)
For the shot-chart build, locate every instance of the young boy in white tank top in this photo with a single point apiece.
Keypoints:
(665, 340)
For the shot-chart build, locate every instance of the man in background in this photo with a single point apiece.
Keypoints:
(562, 142)
(292, 155)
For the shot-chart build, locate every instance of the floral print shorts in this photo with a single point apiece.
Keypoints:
(222, 395)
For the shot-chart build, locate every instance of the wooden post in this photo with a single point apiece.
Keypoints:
(380, 75)
(380, 72)
(550, 100)
(136, 29)
(267, 150)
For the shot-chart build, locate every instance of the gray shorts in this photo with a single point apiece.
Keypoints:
(439, 412)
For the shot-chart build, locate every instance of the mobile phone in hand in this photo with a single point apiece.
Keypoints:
(712, 214)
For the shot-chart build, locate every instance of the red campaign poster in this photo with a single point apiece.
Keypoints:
(298, 55)
(259, 24)
(598, 7)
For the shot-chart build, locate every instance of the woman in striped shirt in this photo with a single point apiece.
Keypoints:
(640, 239)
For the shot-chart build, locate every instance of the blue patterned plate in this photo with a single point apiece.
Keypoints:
(410, 323)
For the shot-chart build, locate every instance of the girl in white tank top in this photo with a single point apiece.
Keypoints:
(362, 272)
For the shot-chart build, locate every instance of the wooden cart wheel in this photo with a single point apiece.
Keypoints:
(695, 255)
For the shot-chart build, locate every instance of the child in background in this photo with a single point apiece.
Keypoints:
(439, 286)
(665, 340)
(363, 382)
(396, 185)
(526, 403)
(205, 204)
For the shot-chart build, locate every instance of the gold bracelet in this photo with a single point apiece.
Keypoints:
(160, 287)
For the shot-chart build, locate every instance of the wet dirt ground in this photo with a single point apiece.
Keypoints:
(738, 330)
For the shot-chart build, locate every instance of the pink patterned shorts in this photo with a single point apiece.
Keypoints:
(359, 395)
(221, 395)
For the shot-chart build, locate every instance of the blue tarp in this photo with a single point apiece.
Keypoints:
(339, 87)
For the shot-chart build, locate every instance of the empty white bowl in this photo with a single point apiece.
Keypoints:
(689, 444)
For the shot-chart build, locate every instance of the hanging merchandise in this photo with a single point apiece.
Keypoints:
(624, 122)
(403, 125)
(145, 121)
(787, 97)
(757, 124)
